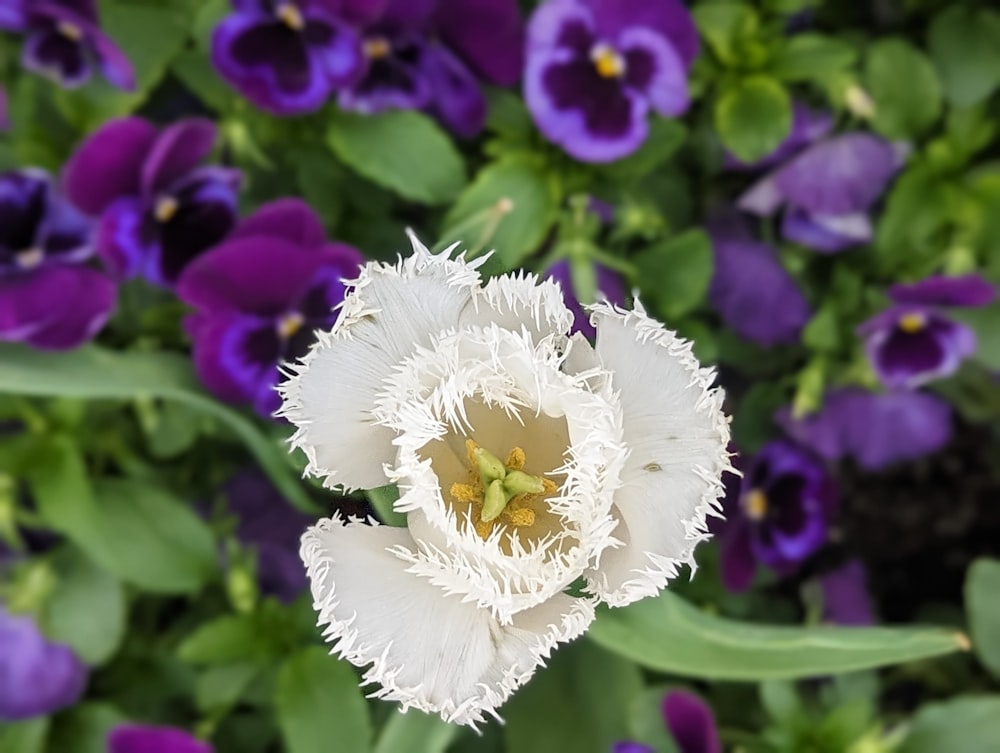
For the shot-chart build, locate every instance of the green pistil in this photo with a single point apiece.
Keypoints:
(502, 484)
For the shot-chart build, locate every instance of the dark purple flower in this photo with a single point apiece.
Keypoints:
(845, 595)
(47, 297)
(65, 42)
(272, 527)
(691, 723)
(595, 68)
(827, 190)
(431, 55)
(286, 56)
(159, 210)
(610, 287)
(36, 676)
(259, 297)
(914, 342)
(752, 292)
(808, 126)
(136, 738)
(875, 429)
(777, 515)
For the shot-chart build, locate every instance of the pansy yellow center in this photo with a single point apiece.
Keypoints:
(165, 209)
(607, 61)
(289, 324)
(376, 48)
(70, 30)
(30, 258)
(756, 504)
(912, 322)
(290, 16)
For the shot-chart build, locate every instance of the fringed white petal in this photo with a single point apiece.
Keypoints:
(330, 394)
(519, 301)
(427, 650)
(676, 435)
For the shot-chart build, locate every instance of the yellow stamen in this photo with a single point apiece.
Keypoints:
(70, 30)
(912, 322)
(756, 504)
(376, 48)
(165, 209)
(520, 518)
(290, 16)
(30, 258)
(465, 493)
(607, 61)
(515, 461)
(289, 324)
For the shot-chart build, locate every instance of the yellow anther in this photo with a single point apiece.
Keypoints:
(549, 486)
(376, 48)
(290, 16)
(166, 207)
(912, 322)
(30, 258)
(607, 61)
(484, 529)
(465, 493)
(70, 30)
(756, 504)
(289, 324)
(516, 459)
(520, 518)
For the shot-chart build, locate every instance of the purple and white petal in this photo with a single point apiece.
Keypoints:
(653, 67)
(826, 233)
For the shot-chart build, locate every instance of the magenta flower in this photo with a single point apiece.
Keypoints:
(136, 738)
(65, 42)
(691, 724)
(259, 297)
(158, 209)
(48, 298)
(610, 287)
(914, 341)
(596, 68)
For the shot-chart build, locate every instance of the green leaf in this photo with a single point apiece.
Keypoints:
(753, 117)
(415, 731)
(674, 274)
(84, 728)
(87, 608)
(646, 723)
(226, 640)
(905, 88)
(401, 150)
(982, 584)
(24, 737)
(667, 634)
(963, 724)
(812, 57)
(823, 330)
(382, 499)
(194, 69)
(95, 373)
(985, 322)
(965, 45)
(219, 688)
(320, 707)
(725, 26)
(665, 138)
(577, 703)
(510, 207)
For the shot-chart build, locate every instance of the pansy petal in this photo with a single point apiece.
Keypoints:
(392, 310)
(631, 747)
(828, 234)
(29, 303)
(427, 649)
(691, 723)
(51, 54)
(108, 164)
(807, 126)
(457, 99)
(677, 436)
(234, 354)
(122, 240)
(291, 219)
(668, 17)
(736, 556)
(90, 301)
(176, 151)
(136, 738)
(654, 68)
(845, 595)
(763, 198)
(962, 290)
(487, 34)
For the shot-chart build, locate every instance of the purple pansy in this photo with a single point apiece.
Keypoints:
(753, 293)
(808, 126)
(610, 287)
(259, 297)
(845, 595)
(691, 724)
(64, 41)
(36, 676)
(914, 342)
(431, 55)
(272, 527)
(778, 515)
(286, 56)
(47, 297)
(876, 430)
(827, 191)
(137, 738)
(595, 69)
(158, 208)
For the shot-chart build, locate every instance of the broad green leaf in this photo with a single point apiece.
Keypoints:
(319, 705)
(985, 322)
(219, 688)
(415, 731)
(982, 588)
(963, 724)
(665, 138)
(724, 26)
(823, 330)
(194, 69)
(510, 207)
(84, 728)
(24, 737)
(95, 373)
(382, 499)
(753, 117)
(577, 703)
(87, 608)
(667, 634)
(401, 150)
(646, 723)
(227, 639)
(965, 46)
(905, 88)
(674, 274)
(811, 57)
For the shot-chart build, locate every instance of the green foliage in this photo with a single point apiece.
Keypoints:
(982, 585)
(965, 46)
(753, 116)
(674, 274)
(902, 112)
(970, 723)
(415, 730)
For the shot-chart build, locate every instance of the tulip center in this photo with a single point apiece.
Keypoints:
(377, 48)
(912, 323)
(607, 61)
(30, 258)
(70, 30)
(289, 323)
(755, 504)
(290, 16)
(165, 209)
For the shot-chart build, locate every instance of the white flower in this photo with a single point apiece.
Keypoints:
(527, 462)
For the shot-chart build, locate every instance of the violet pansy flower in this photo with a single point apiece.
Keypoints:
(64, 41)
(432, 56)
(596, 68)
(286, 56)
(691, 724)
(158, 208)
(610, 288)
(808, 126)
(260, 296)
(137, 738)
(37, 676)
(914, 341)
(48, 298)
